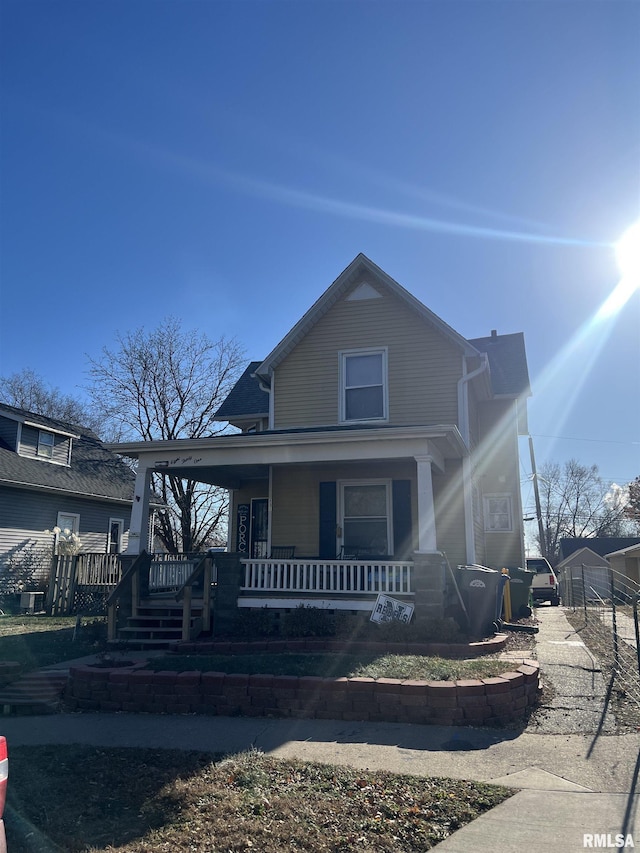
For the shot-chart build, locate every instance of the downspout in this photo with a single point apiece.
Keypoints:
(467, 468)
(268, 389)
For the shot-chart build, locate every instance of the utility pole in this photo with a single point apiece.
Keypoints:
(536, 492)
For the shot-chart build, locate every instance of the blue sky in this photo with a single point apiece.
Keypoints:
(223, 162)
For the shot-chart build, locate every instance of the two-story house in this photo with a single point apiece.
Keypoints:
(54, 475)
(374, 439)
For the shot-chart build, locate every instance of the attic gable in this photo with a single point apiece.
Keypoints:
(362, 279)
(362, 292)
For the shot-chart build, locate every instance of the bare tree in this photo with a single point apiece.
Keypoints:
(632, 509)
(27, 390)
(168, 384)
(576, 502)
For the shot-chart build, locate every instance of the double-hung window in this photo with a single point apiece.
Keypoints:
(366, 517)
(363, 385)
(46, 443)
(498, 514)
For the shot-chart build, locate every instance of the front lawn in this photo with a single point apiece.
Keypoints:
(333, 665)
(163, 801)
(37, 641)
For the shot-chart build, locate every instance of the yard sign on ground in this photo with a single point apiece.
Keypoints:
(389, 609)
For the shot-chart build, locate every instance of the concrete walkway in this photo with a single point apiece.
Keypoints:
(575, 776)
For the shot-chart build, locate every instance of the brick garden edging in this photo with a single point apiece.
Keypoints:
(481, 702)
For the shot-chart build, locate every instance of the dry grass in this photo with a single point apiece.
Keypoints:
(334, 665)
(160, 801)
(37, 641)
(622, 681)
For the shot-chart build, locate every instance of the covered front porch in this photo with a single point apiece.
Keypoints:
(379, 492)
(327, 518)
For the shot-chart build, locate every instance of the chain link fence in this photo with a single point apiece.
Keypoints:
(604, 611)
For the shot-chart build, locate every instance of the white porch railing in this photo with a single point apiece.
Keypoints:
(334, 577)
(170, 571)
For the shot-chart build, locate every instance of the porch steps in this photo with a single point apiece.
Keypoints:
(38, 692)
(158, 624)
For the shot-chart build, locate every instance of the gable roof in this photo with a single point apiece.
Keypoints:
(508, 371)
(246, 397)
(359, 266)
(629, 551)
(583, 555)
(601, 545)
(94, 471)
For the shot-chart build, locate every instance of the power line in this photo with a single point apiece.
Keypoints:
(595, 440)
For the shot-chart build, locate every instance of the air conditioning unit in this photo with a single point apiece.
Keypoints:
(31, 602)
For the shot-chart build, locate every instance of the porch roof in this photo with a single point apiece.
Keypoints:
(227, 460)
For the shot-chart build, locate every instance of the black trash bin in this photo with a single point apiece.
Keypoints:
(520, 586)
(481, 591)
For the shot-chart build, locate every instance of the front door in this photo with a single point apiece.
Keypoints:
(259, 527)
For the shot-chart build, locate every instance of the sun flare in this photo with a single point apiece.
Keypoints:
(628, 254)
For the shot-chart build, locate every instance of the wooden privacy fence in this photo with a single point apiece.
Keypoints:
(81, 581)
(85, 581)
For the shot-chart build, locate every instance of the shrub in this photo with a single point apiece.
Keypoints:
(251, 623)
(307, 621)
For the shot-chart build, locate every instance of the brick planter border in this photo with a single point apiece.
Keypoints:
(470, 702)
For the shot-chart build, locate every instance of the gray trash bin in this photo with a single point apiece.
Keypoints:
(481, 591)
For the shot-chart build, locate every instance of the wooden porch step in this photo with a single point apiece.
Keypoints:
(151, 631)
(158, 622)
(154, 620)
(143, 643)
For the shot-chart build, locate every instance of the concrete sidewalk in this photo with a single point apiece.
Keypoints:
(575, 776)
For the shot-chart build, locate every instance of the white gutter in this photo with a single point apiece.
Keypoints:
(467, 468)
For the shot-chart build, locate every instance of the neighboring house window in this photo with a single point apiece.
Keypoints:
(46, 441)
(363, 383)
(67, 540)
(498, 514)
(114, 541)
(366, 518)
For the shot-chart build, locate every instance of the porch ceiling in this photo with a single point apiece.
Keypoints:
(228, 460)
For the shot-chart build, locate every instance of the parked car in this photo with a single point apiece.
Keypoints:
(544, 586)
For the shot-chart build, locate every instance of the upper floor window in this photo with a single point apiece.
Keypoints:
(363, 385)
(46, 442)
(498, 514)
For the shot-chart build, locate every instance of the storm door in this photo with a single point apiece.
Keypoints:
(259, 527)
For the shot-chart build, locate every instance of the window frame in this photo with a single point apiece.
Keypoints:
(74, 528)
(120, 523)
(388, 484)
(49, 444)
(488, 514)
(344, 356)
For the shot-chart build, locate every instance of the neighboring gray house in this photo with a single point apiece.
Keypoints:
(590, 560)
(56, 475)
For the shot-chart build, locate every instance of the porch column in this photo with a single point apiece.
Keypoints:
(427, 543)
(139, 527)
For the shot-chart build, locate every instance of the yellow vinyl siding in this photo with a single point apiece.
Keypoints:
(448, 496)
(423, 365)
(499, 470)
(295, 498)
